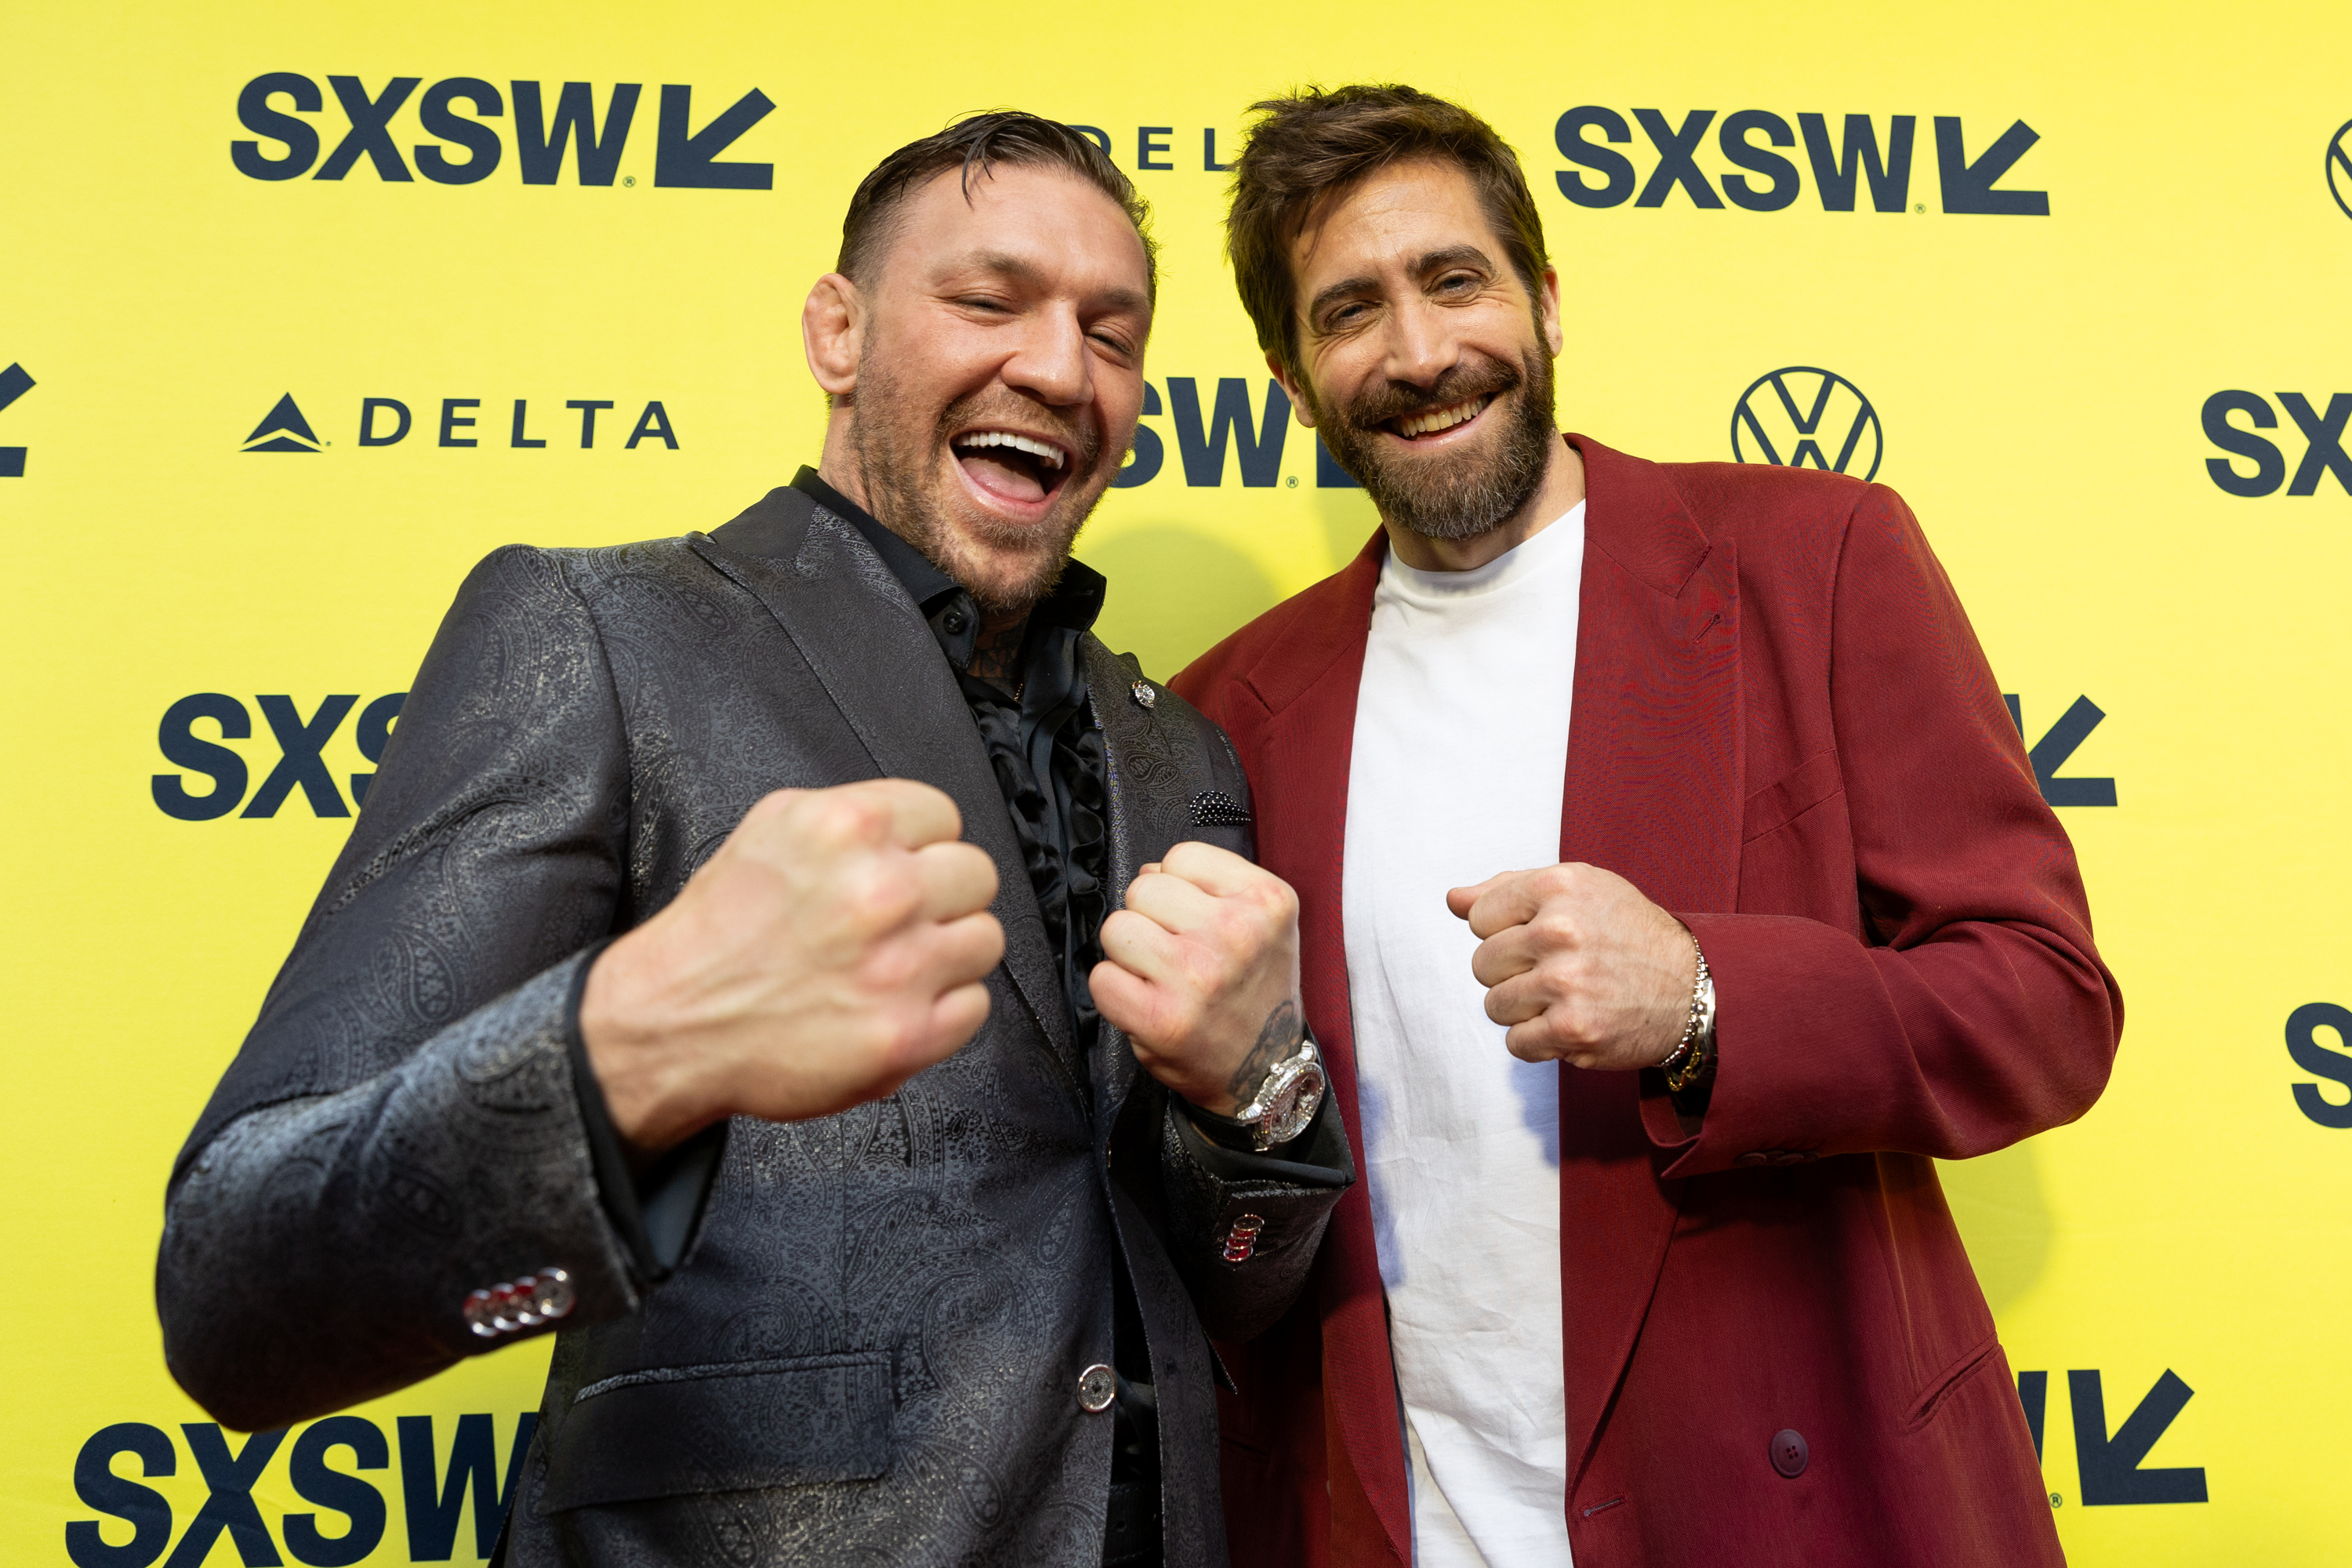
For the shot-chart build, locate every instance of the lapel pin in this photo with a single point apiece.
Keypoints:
(1145, 694)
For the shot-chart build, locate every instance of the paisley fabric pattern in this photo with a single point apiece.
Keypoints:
(871, 1350)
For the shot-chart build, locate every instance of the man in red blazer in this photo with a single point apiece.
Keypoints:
(1674, 891)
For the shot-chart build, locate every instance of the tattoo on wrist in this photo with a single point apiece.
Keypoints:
(1283, 1031)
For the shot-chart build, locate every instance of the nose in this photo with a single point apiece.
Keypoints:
(1051, 363)
(1421, 346)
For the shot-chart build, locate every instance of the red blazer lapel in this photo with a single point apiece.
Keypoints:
(1307, 681)
(1653, 794)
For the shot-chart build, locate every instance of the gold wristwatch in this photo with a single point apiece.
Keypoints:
(1694, 1054)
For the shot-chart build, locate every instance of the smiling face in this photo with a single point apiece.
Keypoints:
(1423, 358)
(998, 370)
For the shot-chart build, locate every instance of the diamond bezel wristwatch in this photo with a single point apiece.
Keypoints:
(1288, 1100)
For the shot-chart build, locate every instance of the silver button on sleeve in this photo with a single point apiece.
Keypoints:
(1097, 1387)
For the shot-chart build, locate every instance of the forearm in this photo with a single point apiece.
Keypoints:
(320, 1251)
(1988, 1033)
(1244, 1275)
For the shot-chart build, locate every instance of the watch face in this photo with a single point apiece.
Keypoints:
(1295, 1104)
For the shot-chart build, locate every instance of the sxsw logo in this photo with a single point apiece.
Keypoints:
(1843, 164)
(2109, 1467)
(1230, 423)
(387, 422)
(2302, 1043)
(433, 1499)
(1803, 415)
(2057, 746)
(2323, 443)
(301, 754)
(543, 133)
(13, 384)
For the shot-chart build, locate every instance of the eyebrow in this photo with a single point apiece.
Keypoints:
(1429, 262)
(1021, 269)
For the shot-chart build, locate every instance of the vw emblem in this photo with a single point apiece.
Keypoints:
(1802, 415)
(2339, 167)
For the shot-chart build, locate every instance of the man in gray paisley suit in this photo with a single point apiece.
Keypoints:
(804, 967)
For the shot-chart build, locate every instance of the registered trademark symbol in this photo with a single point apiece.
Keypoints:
(2056, 1500)
(628, 179)
(1918, 206)
(1293, 482)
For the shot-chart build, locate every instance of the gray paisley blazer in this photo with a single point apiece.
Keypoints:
(871, 1351)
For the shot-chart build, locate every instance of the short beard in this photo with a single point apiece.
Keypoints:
(1468, 494)
(893, 461)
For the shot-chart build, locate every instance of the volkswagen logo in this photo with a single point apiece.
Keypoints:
(2339, 167)
(1804, 415)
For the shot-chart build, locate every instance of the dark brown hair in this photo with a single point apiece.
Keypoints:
(1312, 144)
(981, 141)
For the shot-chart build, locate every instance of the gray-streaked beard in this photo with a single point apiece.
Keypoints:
(1468, 494)
(892, 462)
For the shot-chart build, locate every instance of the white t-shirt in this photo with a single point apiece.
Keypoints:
(1461, 751)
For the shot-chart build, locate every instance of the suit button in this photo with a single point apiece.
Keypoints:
(1790, 1454)
(1098, 1386)
(1753, 1157)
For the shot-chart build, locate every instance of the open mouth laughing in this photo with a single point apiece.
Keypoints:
(1016, 470)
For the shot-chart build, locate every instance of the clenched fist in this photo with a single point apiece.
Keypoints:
(1201, 971)
(1578, 966)
(834, 947)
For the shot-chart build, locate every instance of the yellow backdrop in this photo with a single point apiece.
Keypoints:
(2092, 330)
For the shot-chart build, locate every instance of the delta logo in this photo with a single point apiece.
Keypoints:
(389, 421)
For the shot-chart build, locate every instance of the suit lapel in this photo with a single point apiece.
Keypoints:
(1141, 822)
(1308, 683)
(870, 648)
(1653, 794)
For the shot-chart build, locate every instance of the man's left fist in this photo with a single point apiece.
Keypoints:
(1578, 966)
(1201, 972)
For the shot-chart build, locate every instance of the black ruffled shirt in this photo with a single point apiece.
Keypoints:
(1043, 742)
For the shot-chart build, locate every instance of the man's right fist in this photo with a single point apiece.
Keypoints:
(835, 946)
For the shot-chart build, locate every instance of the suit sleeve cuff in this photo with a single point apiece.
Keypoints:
(655, 1212)
(1226, 1148)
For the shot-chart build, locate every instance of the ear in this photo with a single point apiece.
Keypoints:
(1548, 310)
(1290, 389)
(833, 331)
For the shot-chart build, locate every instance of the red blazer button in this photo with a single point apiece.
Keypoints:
(1790, 1454)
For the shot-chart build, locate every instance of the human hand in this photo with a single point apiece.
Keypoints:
(1201, 972)
(1578, 966)
(834, 946)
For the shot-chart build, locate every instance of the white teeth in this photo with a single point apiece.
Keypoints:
(1444, 418)
(1050, 456)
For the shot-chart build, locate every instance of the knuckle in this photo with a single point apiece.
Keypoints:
(876, 895)
(1555, 928)
(901, 1037)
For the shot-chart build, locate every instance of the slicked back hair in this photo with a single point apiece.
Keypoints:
(1313, 144)
(976, 145)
